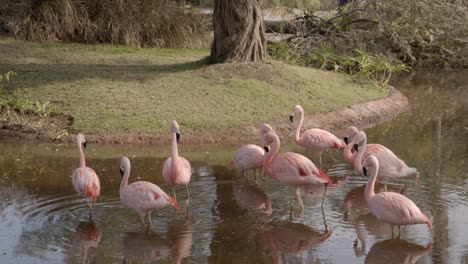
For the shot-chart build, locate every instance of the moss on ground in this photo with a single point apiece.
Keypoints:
(116, 90)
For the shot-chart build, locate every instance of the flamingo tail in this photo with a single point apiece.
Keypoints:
(325, 177)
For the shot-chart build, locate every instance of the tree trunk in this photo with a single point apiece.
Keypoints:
(239, 32)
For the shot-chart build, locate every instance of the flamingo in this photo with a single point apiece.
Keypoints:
(176, 169)
(291, 168)
(390, 207)
(142, 196)
(391, 167)
(250, 157)
(317, 140)
(85, 179)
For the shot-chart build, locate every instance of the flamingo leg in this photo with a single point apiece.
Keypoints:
(392, 231)
(188, 195)
(399, 231)
(324, 220)
(291, 197)
(90, 209)
(143, 219)
(299, 199)
(330, 155)
(320, 159)
(175, 195)
(324, 192)
(385, 186)
(149, 217)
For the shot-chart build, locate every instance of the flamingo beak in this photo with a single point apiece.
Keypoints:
(177, 137)
(121, 172)
(364, 170)
(266, 148)
(291, 118)
(345, 140)
(356, 147)
(173, 203)
(84, 144)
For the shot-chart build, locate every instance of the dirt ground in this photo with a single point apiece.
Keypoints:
(57, 128)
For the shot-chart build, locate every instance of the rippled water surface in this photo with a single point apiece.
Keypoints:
(232, 220)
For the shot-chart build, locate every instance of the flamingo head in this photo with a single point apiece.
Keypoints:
(81, 140)
(351, 132)
(175, 129)
(265, 128)
(124, 166)
(173, 202)
(268, 139)
(371, 164)
(296, 109)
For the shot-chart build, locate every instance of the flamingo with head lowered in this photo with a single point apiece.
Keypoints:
(85, 179)
(291, 168)
(317, 140)
(250, 157)
(142, 196)
(390, 166)
(176, 169)
(390, 207)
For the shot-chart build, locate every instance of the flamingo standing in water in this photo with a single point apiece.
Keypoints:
(142, 196)
(250, 157)
(390, 207)
(176, 169)
(84, 179)
(291, 168)
(317, 140)
(391, 167)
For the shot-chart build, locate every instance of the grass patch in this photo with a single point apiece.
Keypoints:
(113, 90)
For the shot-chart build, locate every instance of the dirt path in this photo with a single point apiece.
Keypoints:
(360, 115)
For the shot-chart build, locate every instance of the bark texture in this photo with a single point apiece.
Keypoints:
(239, 32)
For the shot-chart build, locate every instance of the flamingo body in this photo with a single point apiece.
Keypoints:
(390, 207)
(86, 183)
(390, 166)
(290, 168)
(142, 196)
(248, 157)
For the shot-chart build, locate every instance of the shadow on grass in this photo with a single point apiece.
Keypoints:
(37, 74)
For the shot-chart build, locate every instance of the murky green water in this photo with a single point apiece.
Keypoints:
(231, 220)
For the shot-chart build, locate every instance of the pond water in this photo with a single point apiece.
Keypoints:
(232, 220)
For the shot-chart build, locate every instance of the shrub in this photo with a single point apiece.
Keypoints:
(143, 23)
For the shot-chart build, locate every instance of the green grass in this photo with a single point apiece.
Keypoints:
(114, 90)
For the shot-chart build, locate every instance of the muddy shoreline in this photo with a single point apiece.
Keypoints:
(360, 115)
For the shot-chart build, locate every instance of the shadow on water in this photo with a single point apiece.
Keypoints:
(88, 234)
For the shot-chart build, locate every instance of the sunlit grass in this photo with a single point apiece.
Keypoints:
(113, 90)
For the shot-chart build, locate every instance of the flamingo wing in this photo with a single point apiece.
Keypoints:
(142, 195)
(322, 138)
(396, 209)
(294, 168)
(86, 182)
(249, 157)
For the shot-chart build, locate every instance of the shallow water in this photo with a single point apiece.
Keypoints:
(232, 220)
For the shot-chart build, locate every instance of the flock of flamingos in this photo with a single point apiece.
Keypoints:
(292, 169)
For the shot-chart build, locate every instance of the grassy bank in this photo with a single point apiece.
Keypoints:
(118, 90)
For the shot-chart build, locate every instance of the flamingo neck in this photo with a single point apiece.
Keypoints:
(174, 149)
(81, 154)
(268, 158)
(369, 192)
(348, 155)
(297, 136)
(124, 182)
(360, 154)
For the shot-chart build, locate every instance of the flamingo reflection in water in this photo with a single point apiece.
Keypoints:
(147, 247)
(251, 197)
(396, 251)
(89, 236)
(291, 238)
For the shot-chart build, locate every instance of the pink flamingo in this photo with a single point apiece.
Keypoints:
(291, 168)
(391, 167)
(142, 196)
(315, 139)
(390, 207)
(176, 169)
(250, 157)
(84, 179)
